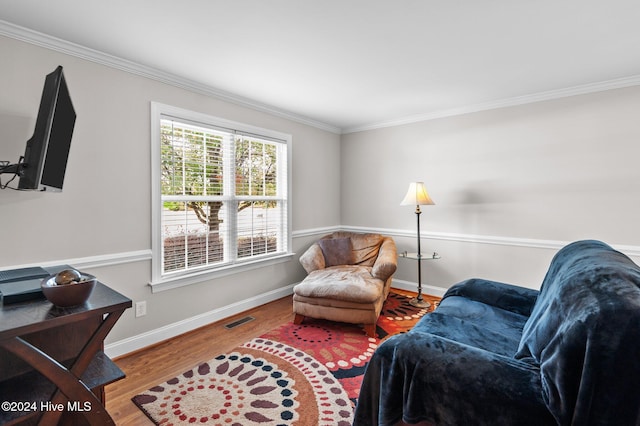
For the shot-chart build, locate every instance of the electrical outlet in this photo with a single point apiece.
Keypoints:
(141, 308)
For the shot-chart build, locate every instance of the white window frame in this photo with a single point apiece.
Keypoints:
(164, 281)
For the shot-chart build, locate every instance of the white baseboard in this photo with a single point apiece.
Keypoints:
(169, 331)
(426, 289)
(152, 337)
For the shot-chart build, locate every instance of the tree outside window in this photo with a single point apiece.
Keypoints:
(223, 196)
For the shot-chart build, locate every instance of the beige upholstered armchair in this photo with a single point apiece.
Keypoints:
(349, 279)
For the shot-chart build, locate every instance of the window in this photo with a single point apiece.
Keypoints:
(220, 196)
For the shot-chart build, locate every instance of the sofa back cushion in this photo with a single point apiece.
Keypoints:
(584, 332)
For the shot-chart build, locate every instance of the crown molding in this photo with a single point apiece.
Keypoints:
(26, 35)
(583, 89)
(72, 49)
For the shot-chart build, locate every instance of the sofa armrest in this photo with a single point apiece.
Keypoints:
(417, 377)
(312, 259)
(501, 295)
(387, 260)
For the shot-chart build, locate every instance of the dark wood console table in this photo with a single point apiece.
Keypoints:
(52, 366)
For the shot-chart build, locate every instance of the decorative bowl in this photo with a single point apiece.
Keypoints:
(66, 295)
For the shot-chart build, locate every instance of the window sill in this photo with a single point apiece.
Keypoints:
(163, 284)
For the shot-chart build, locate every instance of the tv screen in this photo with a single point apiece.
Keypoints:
(46, 153)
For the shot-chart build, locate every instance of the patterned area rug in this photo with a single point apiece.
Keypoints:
(307, 374)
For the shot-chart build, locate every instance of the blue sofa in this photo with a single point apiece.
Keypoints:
(498, 354)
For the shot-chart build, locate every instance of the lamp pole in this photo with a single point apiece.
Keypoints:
(419, 301)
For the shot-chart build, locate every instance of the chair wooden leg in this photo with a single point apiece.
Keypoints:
(297, 319)
(370, 329)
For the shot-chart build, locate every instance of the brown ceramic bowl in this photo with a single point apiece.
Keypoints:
(67, 295)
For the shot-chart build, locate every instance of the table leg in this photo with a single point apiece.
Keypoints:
(82, 362)
(69, 385)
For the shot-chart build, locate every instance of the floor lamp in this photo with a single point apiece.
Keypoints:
(417, 196)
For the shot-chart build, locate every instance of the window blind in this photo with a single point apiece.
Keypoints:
(223, 195)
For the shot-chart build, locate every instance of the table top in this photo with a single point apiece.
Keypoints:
(34, 315)
(423, 256)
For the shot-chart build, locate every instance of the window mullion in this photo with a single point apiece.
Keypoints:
(186, 238)
(231, 206)
(250, 167)
(264, 170)
(183, 184)
(204, 164)
(188, 241)
(282, 189)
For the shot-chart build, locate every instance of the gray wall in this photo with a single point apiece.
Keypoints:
(511, 185)
(101, 221)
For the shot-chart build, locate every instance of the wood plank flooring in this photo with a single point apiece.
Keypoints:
(153, 365)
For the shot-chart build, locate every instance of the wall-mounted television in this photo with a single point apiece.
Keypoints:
(44, 163)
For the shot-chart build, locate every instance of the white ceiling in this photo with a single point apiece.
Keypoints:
(355, 64)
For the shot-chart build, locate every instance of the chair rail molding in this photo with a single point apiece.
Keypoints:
(314, 232)
(629, 250)
(110, 259)
(133, 343)
(114, 259)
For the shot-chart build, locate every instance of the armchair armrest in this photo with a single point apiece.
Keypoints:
(312, 259)
(387, 260)
(505, 296)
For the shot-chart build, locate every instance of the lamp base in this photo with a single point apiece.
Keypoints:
(419, 303)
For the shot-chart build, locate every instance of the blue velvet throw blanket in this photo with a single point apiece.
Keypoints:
(498, 354)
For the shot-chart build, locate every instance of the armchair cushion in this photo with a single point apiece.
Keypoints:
(365, 246)
(348, 282)
(336, 251)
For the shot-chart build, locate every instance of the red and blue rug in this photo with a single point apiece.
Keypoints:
(308, 374)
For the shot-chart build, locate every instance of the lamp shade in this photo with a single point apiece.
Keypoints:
(417, 195)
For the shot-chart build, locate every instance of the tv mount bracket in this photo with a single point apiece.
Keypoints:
(14, 169)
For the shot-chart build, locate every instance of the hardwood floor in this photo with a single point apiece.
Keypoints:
(153, 365)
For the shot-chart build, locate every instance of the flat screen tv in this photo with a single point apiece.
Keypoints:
(45, 156)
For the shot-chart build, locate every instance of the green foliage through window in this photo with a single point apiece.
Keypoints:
(222, 196)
